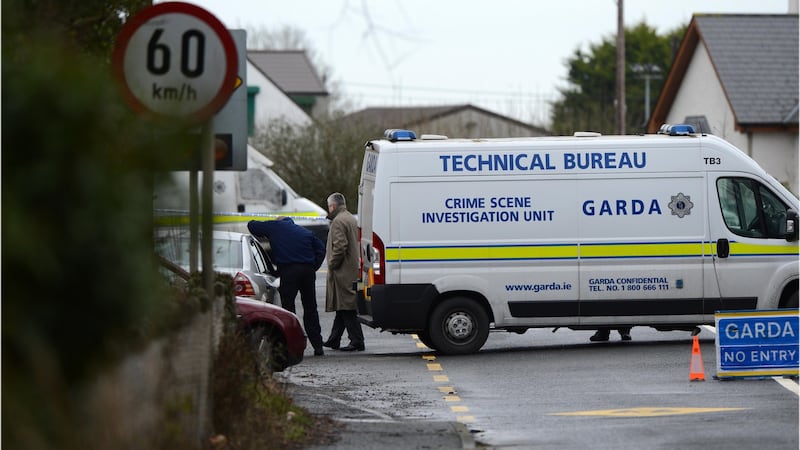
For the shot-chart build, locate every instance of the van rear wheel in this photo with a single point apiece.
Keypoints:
(458, 326)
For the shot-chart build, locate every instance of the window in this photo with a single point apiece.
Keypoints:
(257, 185)
(255, 251)
(227, 253)
(262, 258)
(252, 91)
(750, 209)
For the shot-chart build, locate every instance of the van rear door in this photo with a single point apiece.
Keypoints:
(370, 259)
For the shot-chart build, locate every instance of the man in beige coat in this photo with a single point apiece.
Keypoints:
(342, 254)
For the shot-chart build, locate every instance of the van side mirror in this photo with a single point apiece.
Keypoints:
(791, 225)
(284, 197)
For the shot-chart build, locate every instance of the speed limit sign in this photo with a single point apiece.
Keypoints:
(176, 60)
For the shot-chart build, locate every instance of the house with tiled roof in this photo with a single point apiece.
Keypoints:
(463, 121)
(736, 76)
(266, 102)
(293, 73)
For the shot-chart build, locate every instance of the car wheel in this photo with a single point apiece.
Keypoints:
(269, 349)
(458, 326)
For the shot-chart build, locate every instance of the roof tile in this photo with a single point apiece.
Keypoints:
(756, 58)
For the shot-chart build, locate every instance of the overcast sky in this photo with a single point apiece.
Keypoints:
(503, 55)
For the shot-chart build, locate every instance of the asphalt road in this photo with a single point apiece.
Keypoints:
(554, 390)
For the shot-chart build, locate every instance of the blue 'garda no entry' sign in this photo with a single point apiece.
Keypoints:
(757, 343)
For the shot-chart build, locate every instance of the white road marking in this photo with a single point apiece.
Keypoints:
(366, 410)
(789, 384)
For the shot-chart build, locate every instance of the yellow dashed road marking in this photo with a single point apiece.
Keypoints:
(644, 412)
(449, 391)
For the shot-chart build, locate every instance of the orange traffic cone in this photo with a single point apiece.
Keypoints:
(696, 370)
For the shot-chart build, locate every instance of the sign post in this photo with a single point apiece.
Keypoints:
(177, 61)
(757, 343)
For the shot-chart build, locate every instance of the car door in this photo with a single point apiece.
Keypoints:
(262, 270)
(751, 251)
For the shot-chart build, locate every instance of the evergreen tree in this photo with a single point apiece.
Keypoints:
(588, 102)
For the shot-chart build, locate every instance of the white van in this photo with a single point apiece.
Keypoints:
(460, 236)
(240, 196)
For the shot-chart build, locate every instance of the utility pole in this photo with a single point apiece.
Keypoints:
(620, 69)
(648, 71)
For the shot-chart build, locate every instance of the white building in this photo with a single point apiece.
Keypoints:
(281, 85)
(736, 76)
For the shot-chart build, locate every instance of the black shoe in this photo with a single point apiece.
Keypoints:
(331, 345)
(353, 348)
(600, 336)
(625, 336)
(319, 352)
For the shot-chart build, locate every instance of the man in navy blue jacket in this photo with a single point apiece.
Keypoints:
(298, 254)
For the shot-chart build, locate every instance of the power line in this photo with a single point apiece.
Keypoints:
(404, 88)
(529, 110)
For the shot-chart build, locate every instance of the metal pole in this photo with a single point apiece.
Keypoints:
(207, 152)
(193, 222)
(646, 98)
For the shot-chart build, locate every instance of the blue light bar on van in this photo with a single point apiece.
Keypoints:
(682, 129)
(399, 135)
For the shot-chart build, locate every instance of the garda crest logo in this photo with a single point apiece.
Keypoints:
(680, 205)
(219, 187)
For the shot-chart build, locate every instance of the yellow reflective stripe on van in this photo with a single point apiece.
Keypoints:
(573, 251)
(564, 251)
(643, 250)
(745, 249)
(533, 252)
(183, 218)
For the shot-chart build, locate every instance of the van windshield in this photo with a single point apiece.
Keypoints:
(257, 185)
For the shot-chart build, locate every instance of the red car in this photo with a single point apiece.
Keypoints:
(275, 333)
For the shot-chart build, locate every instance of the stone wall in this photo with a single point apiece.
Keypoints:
(159, 397)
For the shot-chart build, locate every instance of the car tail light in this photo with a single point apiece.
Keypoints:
(242, 286)
(378, 260)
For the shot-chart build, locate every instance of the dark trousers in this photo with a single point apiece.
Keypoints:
(607, 331)
(347, 319)
(302, 278)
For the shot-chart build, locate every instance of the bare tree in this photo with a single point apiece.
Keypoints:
(318, 159)
(291, 38)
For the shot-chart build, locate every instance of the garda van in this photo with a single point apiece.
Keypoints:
(240, 196)
(460, 236)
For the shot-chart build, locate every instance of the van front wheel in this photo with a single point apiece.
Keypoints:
(458, 326)
(791, 301)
